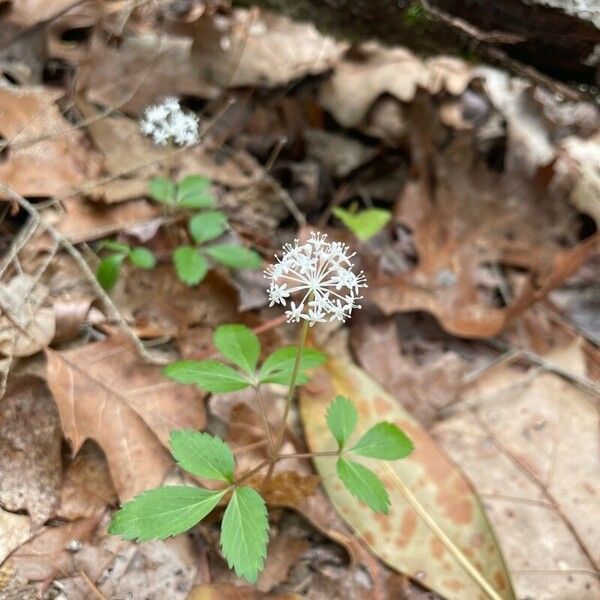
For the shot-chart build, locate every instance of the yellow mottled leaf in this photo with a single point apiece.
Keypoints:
(401, 539)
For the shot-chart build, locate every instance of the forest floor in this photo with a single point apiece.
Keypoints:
(472, 199)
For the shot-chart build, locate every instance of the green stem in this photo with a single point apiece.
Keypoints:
(290, 397)
(263, 413)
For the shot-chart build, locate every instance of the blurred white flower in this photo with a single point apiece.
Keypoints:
(323, 273)
(167, 121)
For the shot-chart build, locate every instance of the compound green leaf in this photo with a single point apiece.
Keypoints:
(203, 455)
(341, 419)
(163, 512)
(239, 344)
(364, 484)
(210, 375)
(244, 533)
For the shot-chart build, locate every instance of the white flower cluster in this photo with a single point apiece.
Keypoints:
(167, 121)
(322, 272)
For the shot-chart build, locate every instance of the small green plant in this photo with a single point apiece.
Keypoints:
(322, 272)
(109, 268)
(364, 224)
(192, 262)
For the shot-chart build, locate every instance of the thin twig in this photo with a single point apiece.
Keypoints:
(74, 253)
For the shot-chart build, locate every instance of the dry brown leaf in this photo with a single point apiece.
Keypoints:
(157, 303)
(466, 225)
(27, 322)
(365, 75)
(140, 70)
(83, 221)
(577, 169)
(229, 591)
(263, 49)
(49, 554)
(14, 531)
(284, 553)
(423, 385)
(530, 444)
(53, 166)
(30, 12)
(105, 392)
(87, 486)
(30, 449)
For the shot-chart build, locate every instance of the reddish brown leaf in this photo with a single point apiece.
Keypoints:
(105, 392)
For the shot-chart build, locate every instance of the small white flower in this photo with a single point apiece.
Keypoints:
(167, 121)
(278, 294)
(295, 313)
(323, 273)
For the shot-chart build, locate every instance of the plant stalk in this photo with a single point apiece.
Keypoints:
(290, 397)
(263, 413)
(458, 555)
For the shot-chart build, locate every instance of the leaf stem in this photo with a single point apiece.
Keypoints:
(309, 454)
(263, 413)
(458, 555)
(261, 465)
(290, 396)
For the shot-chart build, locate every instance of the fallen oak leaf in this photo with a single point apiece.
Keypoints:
(402, 540)
(105, 392)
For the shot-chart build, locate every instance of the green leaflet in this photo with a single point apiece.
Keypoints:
(364, 484)
(279, 365)
(234, 257)
(384, 441)
(108, 271)
(203, 455)
(239, 344)
(244, 533)
(364, 224)
(341, 420)
(207, 226)
(210, 375)
(163, 512)
(191, 266)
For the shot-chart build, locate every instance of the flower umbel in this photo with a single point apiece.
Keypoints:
(167, 122)
(323, 273)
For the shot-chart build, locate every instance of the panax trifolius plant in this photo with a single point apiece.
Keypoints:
(318, 280)
(168, 124)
